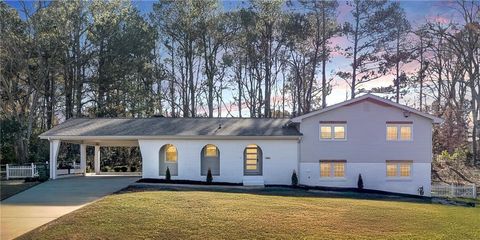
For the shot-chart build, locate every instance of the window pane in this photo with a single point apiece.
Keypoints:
(391, 169)
(251, 167)
(253, 162)
(252, 150)
(324, 169)
(391, 133)
(339, 132)
(405, 169)
(211, 151)
(339, 169)
(406, 133)
(326, 132)
(171, 153)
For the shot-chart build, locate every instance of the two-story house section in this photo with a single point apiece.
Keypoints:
(389, 144)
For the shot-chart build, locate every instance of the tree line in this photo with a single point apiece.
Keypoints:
(186, 58)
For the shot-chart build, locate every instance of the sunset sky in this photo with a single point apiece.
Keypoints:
(418, 12)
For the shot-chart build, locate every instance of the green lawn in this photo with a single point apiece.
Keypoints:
(204, 215)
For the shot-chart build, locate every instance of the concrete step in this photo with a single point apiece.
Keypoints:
(253, 181)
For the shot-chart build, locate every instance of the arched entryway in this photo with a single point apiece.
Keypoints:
(210, 159)
(168, 158)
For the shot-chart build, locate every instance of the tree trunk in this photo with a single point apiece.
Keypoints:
(355, 49)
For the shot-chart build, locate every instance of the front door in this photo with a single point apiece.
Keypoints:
(253, 160)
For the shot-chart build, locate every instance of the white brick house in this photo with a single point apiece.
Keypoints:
(389, 144)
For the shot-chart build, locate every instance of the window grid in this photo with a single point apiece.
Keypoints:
(211, 151)
(399, 168)
(332, 131)
(251, 157)
(339, 169)
(399, 132)
(405, 133)
(171, 153)
(326, 132)
(332, 169)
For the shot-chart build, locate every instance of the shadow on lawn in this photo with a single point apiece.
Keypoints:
(282, 191)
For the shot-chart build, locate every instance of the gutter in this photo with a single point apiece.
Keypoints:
(295, 137)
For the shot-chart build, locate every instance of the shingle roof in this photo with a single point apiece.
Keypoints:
(368, 96)
(159, 126)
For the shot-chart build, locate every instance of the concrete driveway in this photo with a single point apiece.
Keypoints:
(50, 200)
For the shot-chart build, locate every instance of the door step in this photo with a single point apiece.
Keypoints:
(253, 181)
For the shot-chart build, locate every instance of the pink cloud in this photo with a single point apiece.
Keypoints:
(439, 19)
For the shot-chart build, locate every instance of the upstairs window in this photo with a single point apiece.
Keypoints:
(332, 168)
(333, 130)
(399, 169)
(399, 131)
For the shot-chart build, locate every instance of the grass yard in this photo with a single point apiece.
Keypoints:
(197, 214)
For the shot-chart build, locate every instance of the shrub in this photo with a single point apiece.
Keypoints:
(133, 169)
(168, 177)
(209, 176)
(124, 169)
(294, 178)
(360, 182)
(117, 169)
(104, 169)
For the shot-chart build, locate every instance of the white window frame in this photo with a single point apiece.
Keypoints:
(399, 126)
(398, 163)
(332, 131)
(331, 176)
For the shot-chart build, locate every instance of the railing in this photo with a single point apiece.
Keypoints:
(464, 191)
(75, 169)
(21, 171)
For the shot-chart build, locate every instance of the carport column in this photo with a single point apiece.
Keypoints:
(83, 158)
(97, 159)
(54, 147)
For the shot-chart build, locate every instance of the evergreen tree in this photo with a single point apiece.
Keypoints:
(168, 177)
(209, 176)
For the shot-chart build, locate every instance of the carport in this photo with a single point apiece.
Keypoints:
(84, 141)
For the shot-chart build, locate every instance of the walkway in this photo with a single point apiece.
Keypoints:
(53, 199)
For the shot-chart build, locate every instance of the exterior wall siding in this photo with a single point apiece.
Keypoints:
(373, 176)
(279, 159)
(366, 148)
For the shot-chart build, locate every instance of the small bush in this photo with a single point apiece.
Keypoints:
(124, 169)
(133, 169)
(104, 169)
(209, 176)
(294, 178)
(168, 177)
(117, 169)
(360, 182)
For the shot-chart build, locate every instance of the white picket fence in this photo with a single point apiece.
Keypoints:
(21, 171)
(464, 191)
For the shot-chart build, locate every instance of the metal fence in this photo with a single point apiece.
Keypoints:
(464, 191)
(21, 171)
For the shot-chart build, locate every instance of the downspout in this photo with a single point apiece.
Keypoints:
(299, 159)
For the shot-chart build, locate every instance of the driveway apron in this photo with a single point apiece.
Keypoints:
(50, 200)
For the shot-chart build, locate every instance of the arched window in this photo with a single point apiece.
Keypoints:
(210, 158)
(168, 159)
(252, 159)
